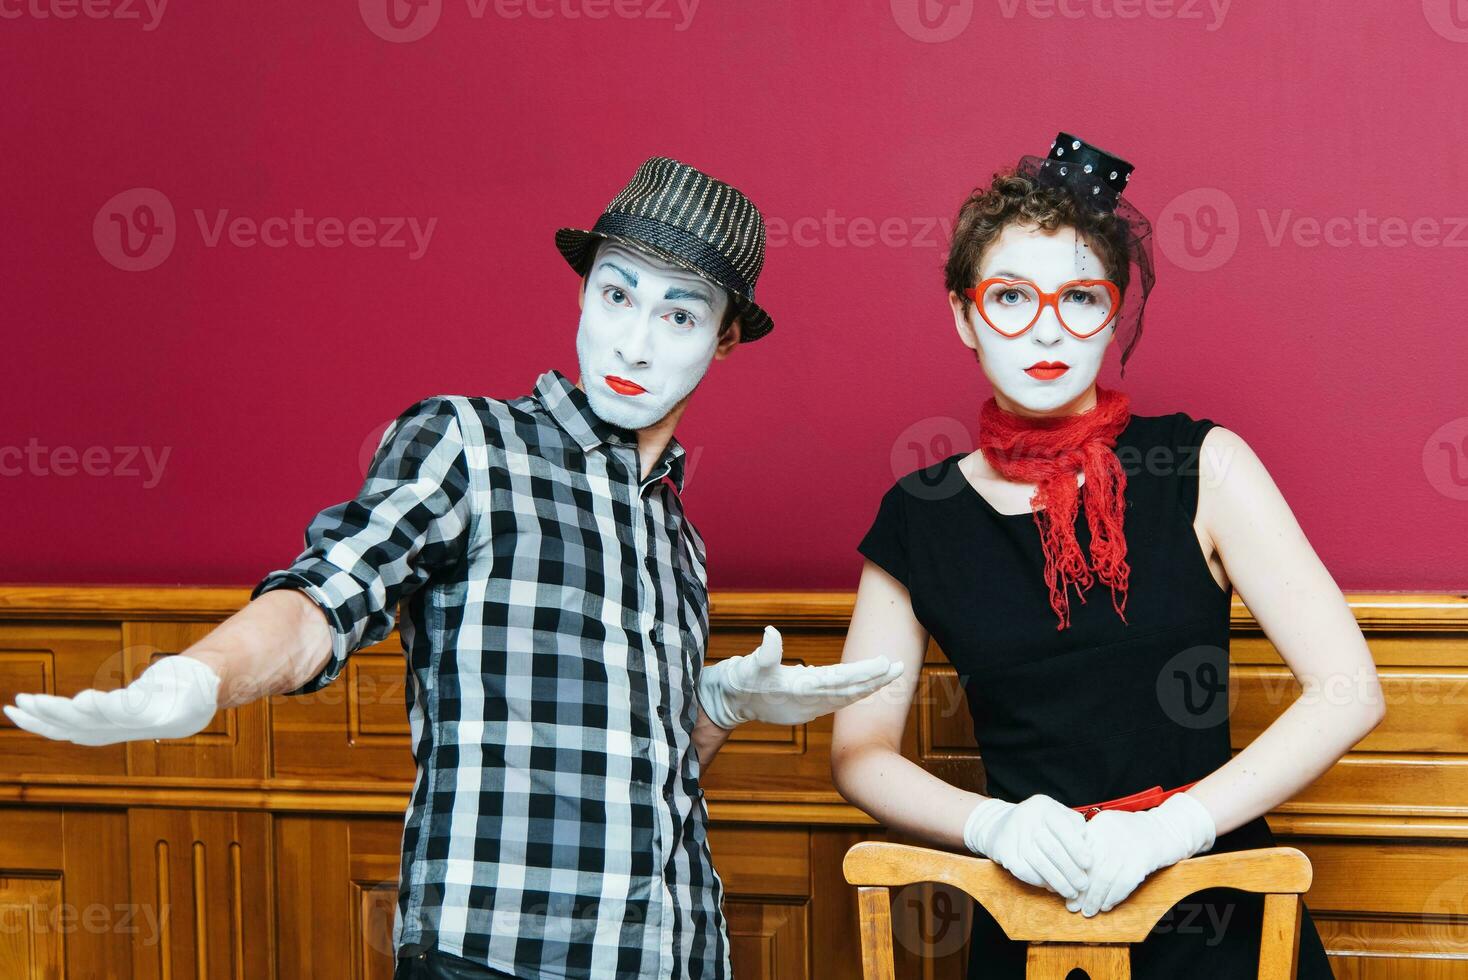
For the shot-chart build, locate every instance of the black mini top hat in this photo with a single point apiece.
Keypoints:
(1092, 174)
(690, 219)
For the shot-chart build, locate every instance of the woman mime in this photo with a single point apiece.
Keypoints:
(995, 553)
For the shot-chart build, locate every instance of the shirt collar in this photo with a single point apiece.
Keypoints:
(571, 409)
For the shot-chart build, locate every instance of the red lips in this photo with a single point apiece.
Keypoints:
(1047, 370)
(624, 387)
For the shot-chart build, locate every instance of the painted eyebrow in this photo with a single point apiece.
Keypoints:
(678, 292)
(626, 274)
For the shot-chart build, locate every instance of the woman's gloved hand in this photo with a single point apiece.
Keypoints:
(1040, 841)
(1130, 845)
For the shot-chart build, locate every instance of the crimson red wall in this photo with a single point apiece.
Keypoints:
(1303, 163)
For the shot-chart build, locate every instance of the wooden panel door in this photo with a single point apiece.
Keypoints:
(64, 906)
(208, 871)
(767, 899)
(337, 892)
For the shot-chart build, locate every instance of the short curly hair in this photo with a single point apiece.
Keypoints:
(1013, 197)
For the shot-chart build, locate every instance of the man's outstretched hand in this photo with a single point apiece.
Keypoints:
(174, 698)
(758, 687)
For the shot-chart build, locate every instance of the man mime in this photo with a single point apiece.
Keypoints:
(554, 619)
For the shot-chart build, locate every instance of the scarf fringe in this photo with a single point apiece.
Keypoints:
(1048, 452)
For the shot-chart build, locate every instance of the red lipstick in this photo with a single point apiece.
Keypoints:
(1047, 370)
(624, 387)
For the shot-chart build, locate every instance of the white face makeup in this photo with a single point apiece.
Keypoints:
(648, 332)
(1048, 258)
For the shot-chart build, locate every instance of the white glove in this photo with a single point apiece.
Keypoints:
(1130, 845)
(1040, 841)
(758, 687)
(174, 698)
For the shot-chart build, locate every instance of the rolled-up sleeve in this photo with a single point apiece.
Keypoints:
(412, 516)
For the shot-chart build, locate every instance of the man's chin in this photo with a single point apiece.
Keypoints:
(616, 410)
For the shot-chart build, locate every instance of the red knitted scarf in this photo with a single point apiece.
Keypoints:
(1049, 452)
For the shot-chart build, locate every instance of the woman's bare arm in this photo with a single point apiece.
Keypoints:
(1302, 611)
(867, 765)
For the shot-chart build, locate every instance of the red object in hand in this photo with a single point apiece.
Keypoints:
(1144, 800)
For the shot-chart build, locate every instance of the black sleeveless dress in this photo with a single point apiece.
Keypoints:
(1100, 709)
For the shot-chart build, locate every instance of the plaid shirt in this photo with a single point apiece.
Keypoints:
(555, 617)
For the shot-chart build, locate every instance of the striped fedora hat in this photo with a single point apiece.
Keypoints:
(690, 219)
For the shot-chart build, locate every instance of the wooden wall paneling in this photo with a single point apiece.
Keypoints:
(1414, 762)
(941, 727)
(234, 745)
(836, 947)
(97, 884)
(354, 728)
(767, 900)
(1391, 908)
(64, 906)
(313, 920)
(1385, 828)
(376, 859)
(930, 922)
(769, 939)
(31, 946)
(337, 893)
(50, 657)
(210, 874)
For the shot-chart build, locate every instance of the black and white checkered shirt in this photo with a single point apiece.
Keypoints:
(555, 617)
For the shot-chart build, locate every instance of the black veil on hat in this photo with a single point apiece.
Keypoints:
(1097, 178)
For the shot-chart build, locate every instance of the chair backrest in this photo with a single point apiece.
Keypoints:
(1061, 940)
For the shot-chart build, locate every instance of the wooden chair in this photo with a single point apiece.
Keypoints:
(1061, 940)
